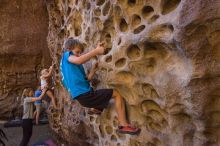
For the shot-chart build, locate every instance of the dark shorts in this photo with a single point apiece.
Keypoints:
(98, 99)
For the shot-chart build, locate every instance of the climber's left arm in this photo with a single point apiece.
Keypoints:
(92, 71)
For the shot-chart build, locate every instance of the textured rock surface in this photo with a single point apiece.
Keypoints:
(23, 49)
(163, 58)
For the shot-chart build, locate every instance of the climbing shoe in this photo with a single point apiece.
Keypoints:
(93, 111)
(55, 110)
(128, 130)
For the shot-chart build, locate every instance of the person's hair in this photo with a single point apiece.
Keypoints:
(71, 43)
(26, 92)
(42, 71)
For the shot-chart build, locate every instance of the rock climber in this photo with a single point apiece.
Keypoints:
(45, 75)
(77, 83)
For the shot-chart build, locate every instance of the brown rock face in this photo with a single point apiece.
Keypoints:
(23, 49)
(163, 58)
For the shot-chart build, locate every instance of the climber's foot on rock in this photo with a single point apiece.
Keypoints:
(52, 109)
(93, 111)
(128, 130)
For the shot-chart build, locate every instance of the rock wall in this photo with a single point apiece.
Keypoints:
(23, 49)
(163, 58)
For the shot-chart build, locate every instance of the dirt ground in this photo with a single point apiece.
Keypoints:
(14, 134)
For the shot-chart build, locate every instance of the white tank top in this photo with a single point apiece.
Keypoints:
(43, 83)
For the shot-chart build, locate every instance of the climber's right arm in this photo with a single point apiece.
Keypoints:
(33, 99)
(99, 50)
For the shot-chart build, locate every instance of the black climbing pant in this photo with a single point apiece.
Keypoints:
(27, 126)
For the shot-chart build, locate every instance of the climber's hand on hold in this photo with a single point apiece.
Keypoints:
(100, 49)
(51, 67)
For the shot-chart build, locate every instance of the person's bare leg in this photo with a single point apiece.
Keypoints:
(120, 107)
(37, 117)
(50, 94)
(35, 112)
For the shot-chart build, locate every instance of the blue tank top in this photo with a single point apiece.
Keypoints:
(73, 76)
(37, 94)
